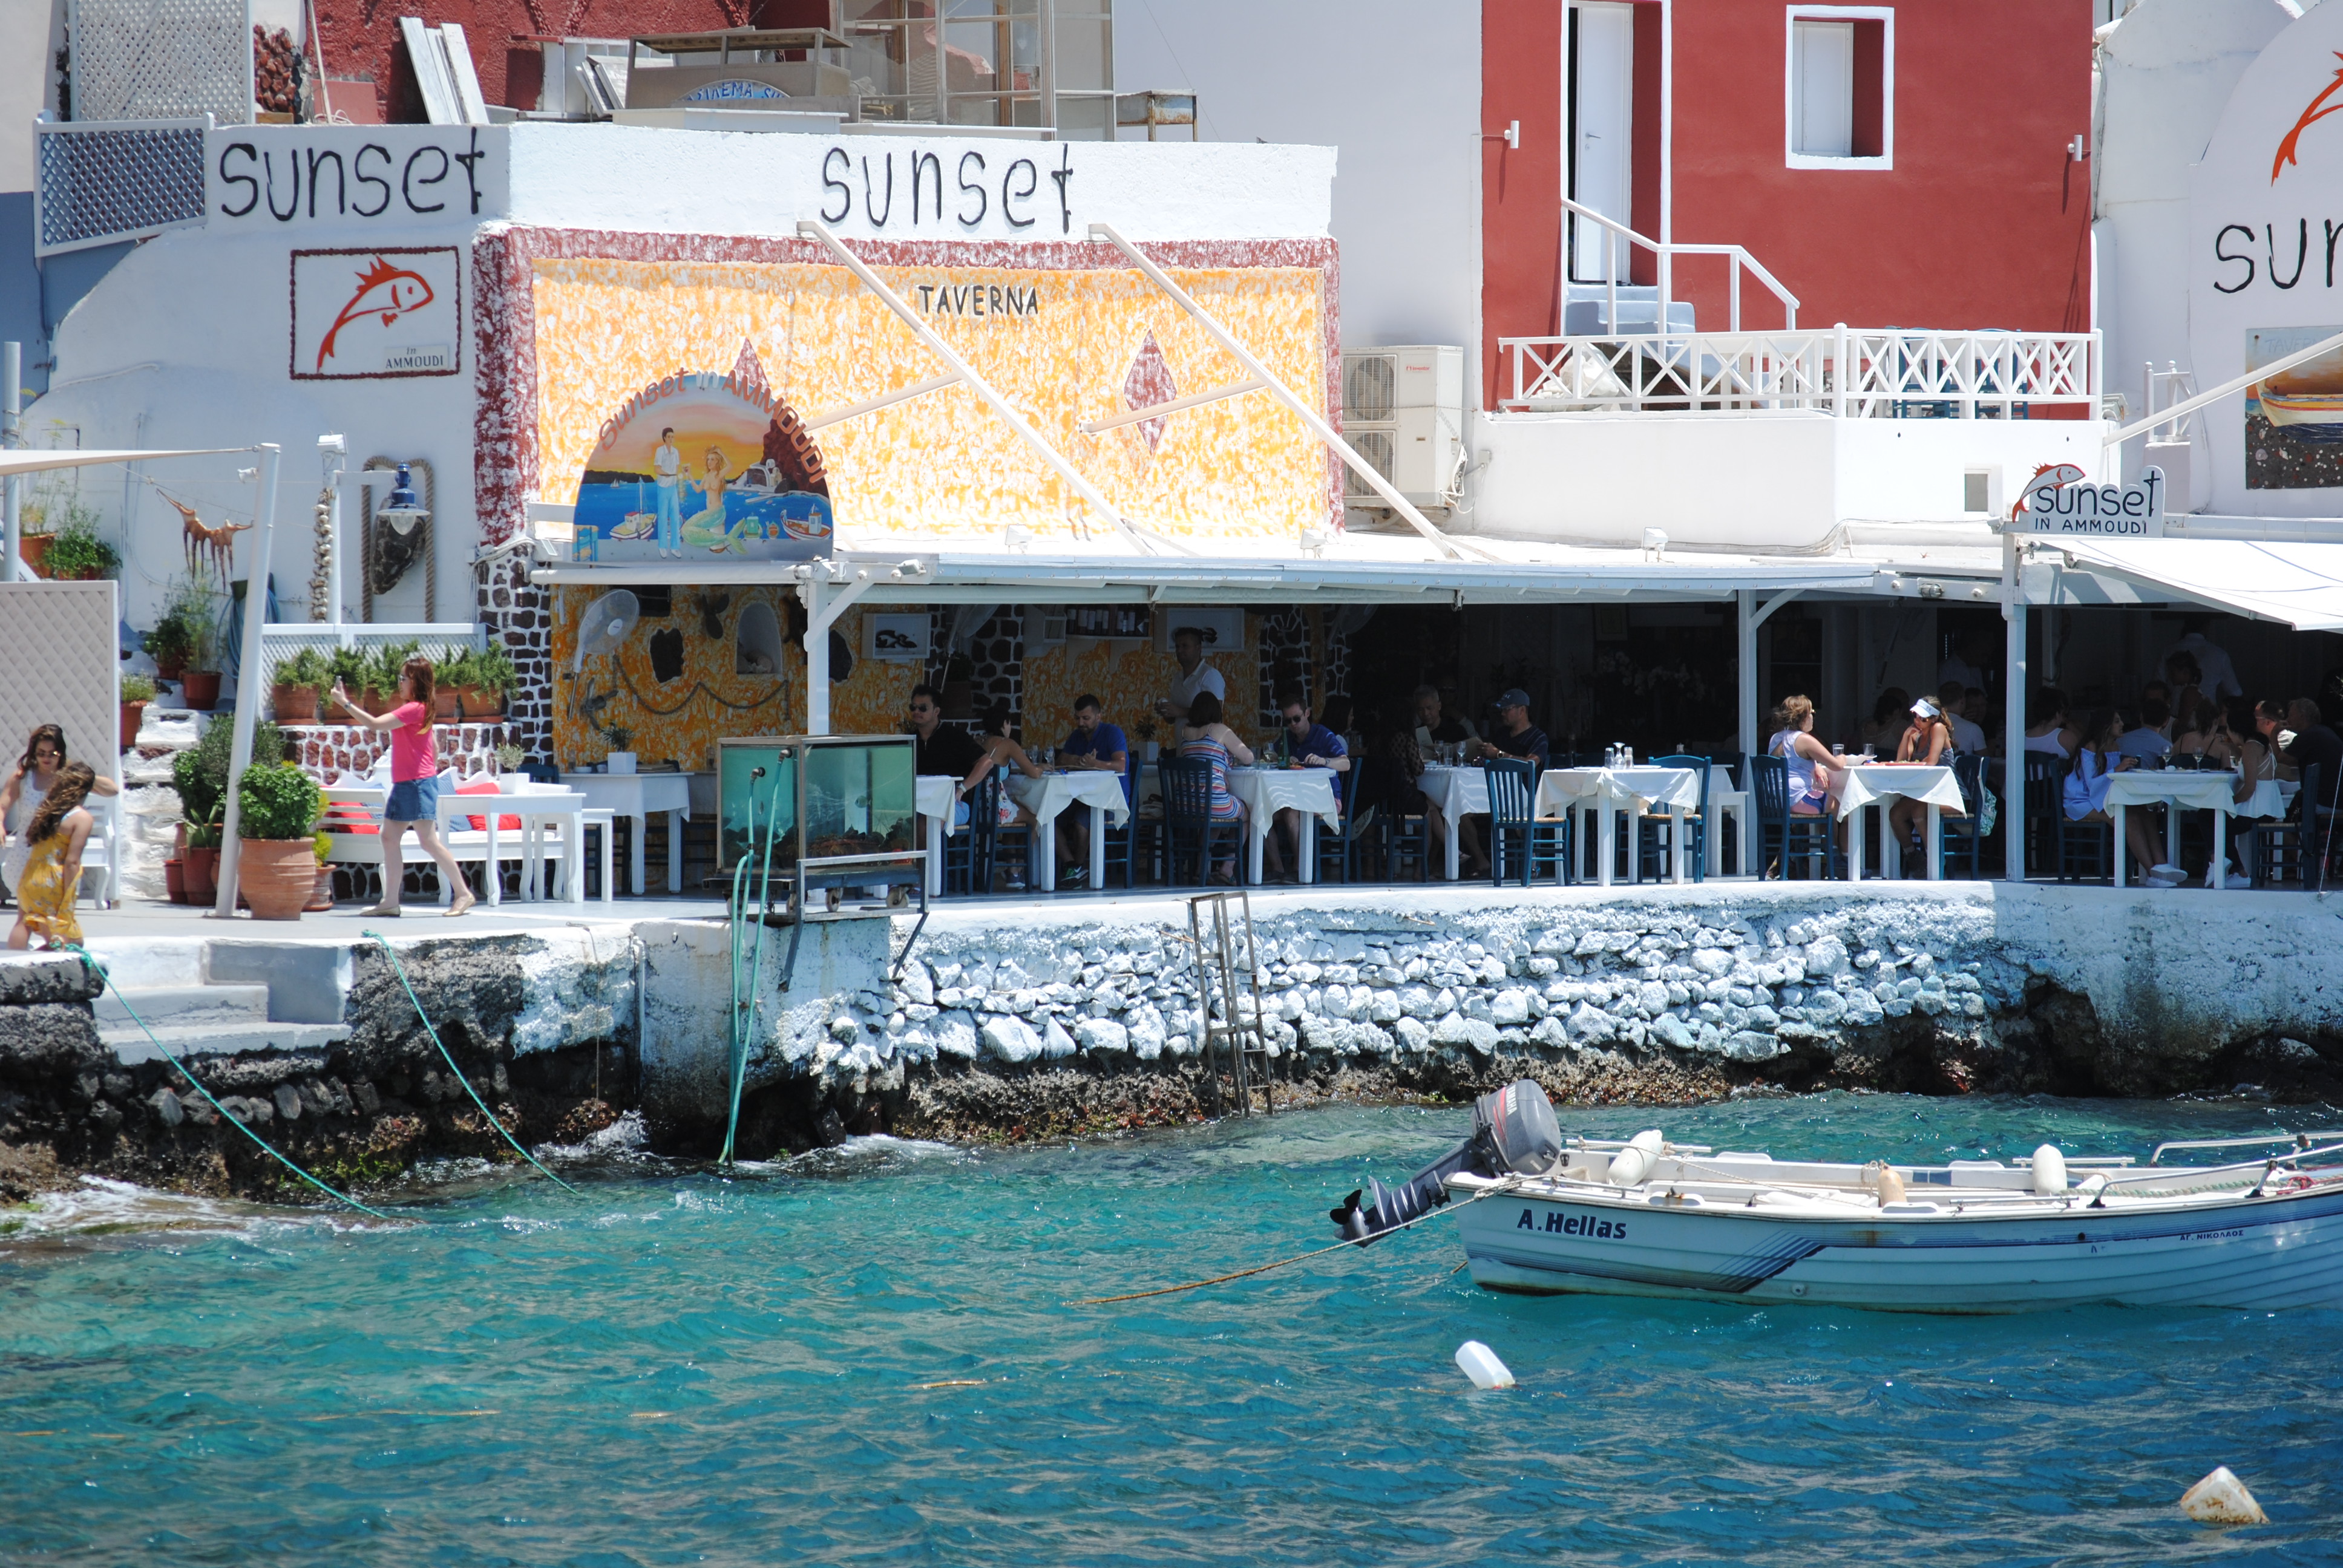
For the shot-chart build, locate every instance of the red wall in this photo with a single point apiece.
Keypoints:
(1982, 221)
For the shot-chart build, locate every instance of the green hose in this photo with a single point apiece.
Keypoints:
(233, 1121)
(745, 1027)
(400, 970)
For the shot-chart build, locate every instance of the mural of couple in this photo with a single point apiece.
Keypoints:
(701, 464)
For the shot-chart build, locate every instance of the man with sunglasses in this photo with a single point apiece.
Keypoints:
(1308, 744)
(953, 753)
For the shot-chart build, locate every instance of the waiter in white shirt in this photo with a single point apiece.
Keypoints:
(2217, 678)
(1195, 676)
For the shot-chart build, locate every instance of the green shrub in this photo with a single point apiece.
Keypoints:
(492, 668)
(200, 774)
(76, 548)
(137, 688)
(308, 667)
(348, 666)
(190, 619)
(277, 800)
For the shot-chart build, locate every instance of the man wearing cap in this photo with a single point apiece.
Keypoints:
(1514, 735)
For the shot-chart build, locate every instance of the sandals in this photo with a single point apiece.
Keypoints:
(462, 905)
(380, 912)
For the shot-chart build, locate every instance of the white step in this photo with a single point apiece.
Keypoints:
(182, 1004)
(131, 1045)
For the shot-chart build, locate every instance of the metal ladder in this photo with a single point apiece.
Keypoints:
(1227, 1025)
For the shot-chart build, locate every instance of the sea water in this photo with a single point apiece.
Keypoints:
(869, 1355)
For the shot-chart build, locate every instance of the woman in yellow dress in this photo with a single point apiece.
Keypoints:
(58, 830)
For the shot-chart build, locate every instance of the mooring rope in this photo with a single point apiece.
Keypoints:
(400, 970)
(232, 1120)
(1507, 1184)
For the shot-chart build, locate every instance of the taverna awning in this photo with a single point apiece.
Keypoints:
(2295, 584)
(32, 460)
(1369, 570)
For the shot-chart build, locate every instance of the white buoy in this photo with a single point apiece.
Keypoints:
(1480, 1363)
(2050, 1171)
(2220, 1499)
(1635, 1162)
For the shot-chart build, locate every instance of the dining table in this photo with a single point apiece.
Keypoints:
(2183, 789)
(1268, 790)
(637, 796)
(933, 796)
(1880, 783)
(1097, 789)
(1455, 792)
(1606, 793)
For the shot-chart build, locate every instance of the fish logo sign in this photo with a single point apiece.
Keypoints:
(384, 290)
(2318, 109)
(2047, 478)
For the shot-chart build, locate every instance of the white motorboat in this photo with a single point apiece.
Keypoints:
(1542, 1215)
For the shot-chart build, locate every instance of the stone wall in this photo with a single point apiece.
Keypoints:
(330, 751)
(516, 612)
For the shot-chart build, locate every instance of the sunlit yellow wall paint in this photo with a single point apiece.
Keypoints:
(1126, 678)
(941, 464)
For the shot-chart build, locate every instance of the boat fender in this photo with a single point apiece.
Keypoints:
(1632, 1163)
(2050, 1171)
(1890, 1185)
(2220, 1499)
(1480, 1363)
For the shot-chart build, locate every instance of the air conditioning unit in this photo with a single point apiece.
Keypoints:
(1404, 412)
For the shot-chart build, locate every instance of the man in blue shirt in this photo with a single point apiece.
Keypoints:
(1094, 745)
(1308, 744)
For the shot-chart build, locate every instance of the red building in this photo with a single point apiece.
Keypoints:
(1893, 163)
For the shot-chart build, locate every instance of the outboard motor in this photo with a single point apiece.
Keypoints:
(1514, 1133)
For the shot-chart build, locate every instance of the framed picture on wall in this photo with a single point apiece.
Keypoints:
(895, 637)
(1223, 629)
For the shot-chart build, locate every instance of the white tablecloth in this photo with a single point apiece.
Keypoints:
(1883, 781)
(1606, 791)
(638, 794)
(1456, 793)
(2188, 792)
(1267, 791)
(1097, 792)
(931, 795)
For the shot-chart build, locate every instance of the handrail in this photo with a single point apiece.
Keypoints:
(1614, 231)
(2301, 1141)
(2226, 389)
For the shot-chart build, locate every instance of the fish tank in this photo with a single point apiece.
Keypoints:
(840, 811)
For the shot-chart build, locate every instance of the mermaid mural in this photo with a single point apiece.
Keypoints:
(722, 452)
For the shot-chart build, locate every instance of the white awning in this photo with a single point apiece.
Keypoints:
(2298, 585)
(31, 460)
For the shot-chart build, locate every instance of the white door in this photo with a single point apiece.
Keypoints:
(1822, 89)
(1601, 126)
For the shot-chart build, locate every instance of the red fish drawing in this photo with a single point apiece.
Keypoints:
(384, 290)
(2311, 113)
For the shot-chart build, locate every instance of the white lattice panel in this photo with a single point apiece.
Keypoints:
(159, 59)
(59, 645)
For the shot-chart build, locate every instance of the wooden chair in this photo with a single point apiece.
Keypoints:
(1191, 834)
(1659, 827)
(1959, 835)
(1519, 841)
(2044, 809)
(1785, 834)
(1336, 846)
(2290, 849)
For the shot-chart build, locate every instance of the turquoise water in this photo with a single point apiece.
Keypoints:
(865, 1356)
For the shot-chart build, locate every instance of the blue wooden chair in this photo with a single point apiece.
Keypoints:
(2087, 850)
(1336, 849)
(1519, 841)
(1123, 844)
(1785, 835)
(2044, 809)
(1961, 835)
(992, 842)
(1191, 835)
(1660, 827)
(2292, 848)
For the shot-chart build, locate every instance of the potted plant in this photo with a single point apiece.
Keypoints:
(200, 775)
(294, 695)
(170, 644)
(382, 674)
(200, 865)
(448, 680)
(277, 820)
(76, 553)
(1145, 730)
(136, 693)
(321, 895)
(621, 759)
(192, 607)
(348, 668)
(489, 674)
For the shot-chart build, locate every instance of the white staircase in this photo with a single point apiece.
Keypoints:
(219, 999)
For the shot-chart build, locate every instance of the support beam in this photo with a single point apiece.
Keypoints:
(248, 683)
(2013, 703)
(1283, 393)
(829, 417)
(825, 601)
(1753, 616)
(811, 228)
(1177, 405)
(12, 396)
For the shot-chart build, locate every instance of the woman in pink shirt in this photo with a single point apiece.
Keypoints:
(414, 785)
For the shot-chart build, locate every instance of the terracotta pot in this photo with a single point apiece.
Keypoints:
(276, 877)
(377, 702)
(294, 704)
(321, 898)
(35, 549)
(443, 704)
(201, 689)
(175, 881)
(134, 714)
(202, 872)
(170, 666)
(480, 704)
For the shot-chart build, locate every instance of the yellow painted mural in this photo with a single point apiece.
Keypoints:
(1061, 347)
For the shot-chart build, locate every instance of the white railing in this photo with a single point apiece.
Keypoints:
(1892, 373)
(1614, 233)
